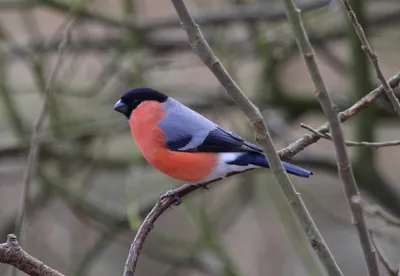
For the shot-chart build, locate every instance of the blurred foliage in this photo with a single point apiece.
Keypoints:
(93, 187)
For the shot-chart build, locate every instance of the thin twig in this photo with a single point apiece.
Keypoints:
(375, 210)
(328, 136)
(389, 220)
(383, 258)
(11, 253)
(36, 139)
(148, 224)
(345, 170)
(371, 55)
(203, 50)
(308, 139)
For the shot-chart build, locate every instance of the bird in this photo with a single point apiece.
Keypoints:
(184, 144)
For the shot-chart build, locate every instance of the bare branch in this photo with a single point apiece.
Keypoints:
(345, 170)
(371, 55)
(11, 253)
(285, 153)
(383, 258)
(36, 139)
(203, 50)
(328, 136)
(307, 139)
(376, 211)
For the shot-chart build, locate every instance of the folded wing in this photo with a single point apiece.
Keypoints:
(188, 131)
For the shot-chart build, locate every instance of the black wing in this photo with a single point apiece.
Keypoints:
(217, 140)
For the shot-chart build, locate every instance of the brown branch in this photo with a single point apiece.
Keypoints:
(371, 55)
(11, 253)
(36, 139)
(345, 169)
(328, 136)
(148, 223)
(308, 139)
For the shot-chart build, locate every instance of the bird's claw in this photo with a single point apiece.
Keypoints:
(171, 193)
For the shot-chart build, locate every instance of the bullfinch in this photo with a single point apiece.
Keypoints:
(185, 145)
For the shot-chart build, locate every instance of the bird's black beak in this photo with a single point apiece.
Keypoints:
(121, 107)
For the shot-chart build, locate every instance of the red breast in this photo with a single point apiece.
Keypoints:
(185, 166)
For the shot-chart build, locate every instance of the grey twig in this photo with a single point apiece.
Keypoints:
(376, 211)
(36, 139)
(203, 50)
(328, 136)
(384, 260)
(371, 55)
(345, 170)
(11, 253)
(308, 139)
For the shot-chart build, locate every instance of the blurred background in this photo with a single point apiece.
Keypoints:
(92, 187)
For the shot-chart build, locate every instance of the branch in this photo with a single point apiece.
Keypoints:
(384, 260)
(203, 50)
(328, 136)
(36, 139)
(308, 139)
(11, 253)
(371, 55)
(345, 170)
(376, 211)
(286, 153)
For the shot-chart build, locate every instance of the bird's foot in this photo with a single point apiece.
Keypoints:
(172, 193)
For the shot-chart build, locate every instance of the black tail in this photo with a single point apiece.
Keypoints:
(252, 158)
(295, 170)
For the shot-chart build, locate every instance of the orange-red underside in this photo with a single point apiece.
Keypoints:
(185, 166)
